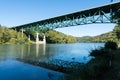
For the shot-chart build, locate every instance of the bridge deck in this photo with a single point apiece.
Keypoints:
(104, 8)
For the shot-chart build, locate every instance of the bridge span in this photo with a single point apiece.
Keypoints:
(100, 14)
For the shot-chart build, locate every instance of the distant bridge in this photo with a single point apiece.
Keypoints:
(100, 14)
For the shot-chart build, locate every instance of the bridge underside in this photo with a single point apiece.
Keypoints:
(102, 14)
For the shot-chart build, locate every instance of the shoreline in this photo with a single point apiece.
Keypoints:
(55, 67)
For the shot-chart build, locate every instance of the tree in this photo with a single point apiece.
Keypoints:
(57, 37)
(111, 45)
(11, 36)
(116, 15)
(117, 31)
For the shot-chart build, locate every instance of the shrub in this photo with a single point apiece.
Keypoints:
(111, 45)
(102, 52)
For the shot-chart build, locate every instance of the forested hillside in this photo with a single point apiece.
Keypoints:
(9, 36)
(84, 39)
(53, 36)
(110, 36)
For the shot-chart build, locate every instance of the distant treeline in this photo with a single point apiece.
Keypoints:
(110, 36)
(16, 37)
(9, 36)
(53, 36)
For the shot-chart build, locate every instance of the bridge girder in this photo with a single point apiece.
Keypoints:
(101, 14)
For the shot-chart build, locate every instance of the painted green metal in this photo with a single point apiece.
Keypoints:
(101, 14)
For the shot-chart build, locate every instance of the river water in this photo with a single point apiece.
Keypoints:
(13, 69)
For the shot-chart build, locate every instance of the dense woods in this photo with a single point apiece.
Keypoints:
(57, 37)
(52, 36)
(9, 36)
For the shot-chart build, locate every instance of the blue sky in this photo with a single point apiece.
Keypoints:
(18, 12)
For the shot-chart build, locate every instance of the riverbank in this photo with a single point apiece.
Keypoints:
(98, 68)
(79, 71)
(104, 65)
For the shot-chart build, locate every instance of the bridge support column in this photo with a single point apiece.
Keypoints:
(29, 38)
(37, 37)
(22, 32)
(44, 39)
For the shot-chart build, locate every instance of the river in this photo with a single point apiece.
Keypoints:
(13, 69)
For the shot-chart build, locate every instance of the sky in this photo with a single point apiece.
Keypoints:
(18, 12)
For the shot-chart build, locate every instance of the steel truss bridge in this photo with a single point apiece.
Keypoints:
(101, 14)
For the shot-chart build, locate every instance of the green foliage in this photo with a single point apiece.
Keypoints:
(103, 66)
(116, 15)
(97, 52)
(117, 31)
(84, 39)
(110, 36)
(30, 33)
(117, 28)
(111, 45)
(57, 37)
(8, 36)
(105, 52)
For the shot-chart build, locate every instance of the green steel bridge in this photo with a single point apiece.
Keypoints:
(100, 14)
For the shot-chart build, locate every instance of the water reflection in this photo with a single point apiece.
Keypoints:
(29, 49)
(22, 53)
(57, 53)
(37, 50)
(66, 52)
(50, 75)
(42, 48)
(32, 52)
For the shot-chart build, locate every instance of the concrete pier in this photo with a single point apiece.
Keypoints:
(40, 42)
(37, 38)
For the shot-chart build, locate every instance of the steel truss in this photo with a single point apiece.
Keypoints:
(102, 14)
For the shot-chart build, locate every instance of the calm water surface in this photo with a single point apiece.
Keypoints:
(12, 69)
